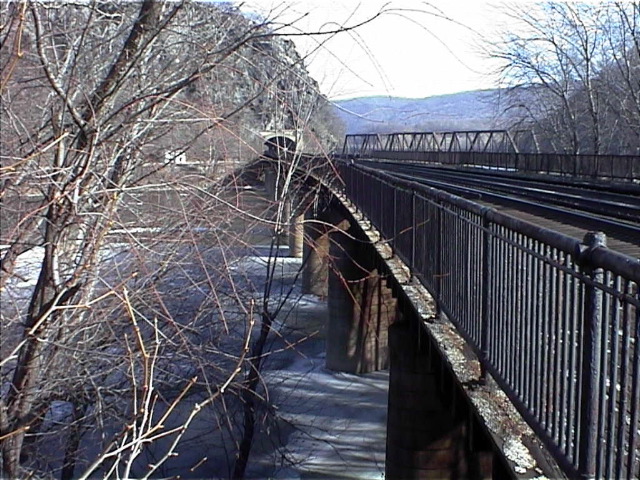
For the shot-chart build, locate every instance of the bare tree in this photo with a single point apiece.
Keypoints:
(136, 306)
(571, 67)
(620, 77)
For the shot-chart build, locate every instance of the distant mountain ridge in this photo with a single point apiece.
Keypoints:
(472, 110)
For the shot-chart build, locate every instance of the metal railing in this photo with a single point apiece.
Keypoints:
(617, 167)
(504, 150)
(554, 320)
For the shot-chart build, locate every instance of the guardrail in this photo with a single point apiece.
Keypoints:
(554, 320)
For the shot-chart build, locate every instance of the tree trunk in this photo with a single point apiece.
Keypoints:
(73, 442)
(248, 398)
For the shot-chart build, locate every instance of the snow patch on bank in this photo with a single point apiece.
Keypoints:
(339, 420)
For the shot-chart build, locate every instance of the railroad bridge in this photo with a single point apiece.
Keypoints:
(512, 344)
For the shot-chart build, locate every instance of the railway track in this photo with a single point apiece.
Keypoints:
(567, 207)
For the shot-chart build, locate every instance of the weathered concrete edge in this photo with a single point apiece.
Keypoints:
(526, 456)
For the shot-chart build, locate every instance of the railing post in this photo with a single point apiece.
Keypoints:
(353, 184)
(348, 179)
(394, 236)
(413, 233)
(487, 263)
(356, 184)
(439, 274)
(378, 201)
(591, 355)
(370, 189)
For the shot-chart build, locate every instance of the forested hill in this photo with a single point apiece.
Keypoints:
(473, 110)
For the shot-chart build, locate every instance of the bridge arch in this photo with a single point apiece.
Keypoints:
(280, 143)
(279, 146)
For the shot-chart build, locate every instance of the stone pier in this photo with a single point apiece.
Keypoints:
(296, 233)
(341, 265)
(431, 433)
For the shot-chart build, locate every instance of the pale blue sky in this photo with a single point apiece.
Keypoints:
(408, 51)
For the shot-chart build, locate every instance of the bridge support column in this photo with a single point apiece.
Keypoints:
(424, 439)
(296, 233)
(431, 433)
(270, 182)
(316, 252)
(361, 307)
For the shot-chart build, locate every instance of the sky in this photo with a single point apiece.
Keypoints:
(414, 48)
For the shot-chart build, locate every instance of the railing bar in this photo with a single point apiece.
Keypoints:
(513, 313)
(455, 272)
(508, 311)
(445, 266)
(633, 470)
(545, 317)
(478, 232)
(537, 344)
(566, 360)
(609, 348)
(480, 322)
(469, 281)
(572, 424)
(504, 312)
(557, 366)
(626, 333)
(494, 321)
(544, 343)
(458, 282)
(535, 327)
(578, 328)
(463, 282)
(413, 227)
(552, 355)
(394, 220)
(530, 282)
(472, 282)
(523, 287)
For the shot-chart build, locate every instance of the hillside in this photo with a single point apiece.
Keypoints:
(474, 110)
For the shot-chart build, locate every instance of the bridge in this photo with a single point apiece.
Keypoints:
(512, 346)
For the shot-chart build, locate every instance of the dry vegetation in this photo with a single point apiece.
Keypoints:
(125, 315)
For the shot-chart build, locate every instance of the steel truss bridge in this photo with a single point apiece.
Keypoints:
(516, 150)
